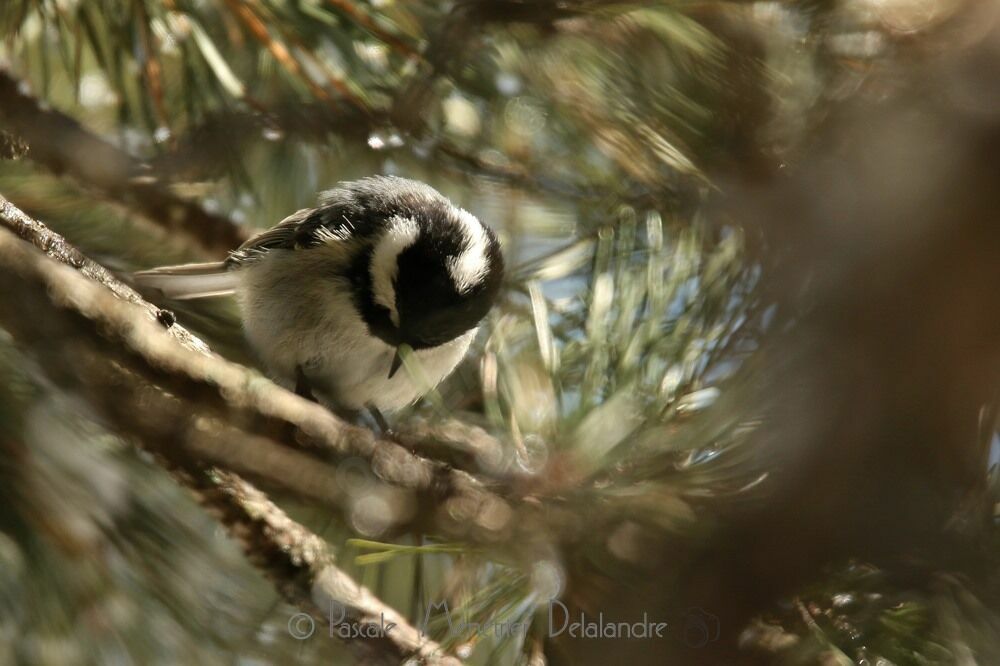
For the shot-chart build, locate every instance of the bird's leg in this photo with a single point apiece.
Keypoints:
(287, 432)
(380, 421)
(302, 386)
(303, 389)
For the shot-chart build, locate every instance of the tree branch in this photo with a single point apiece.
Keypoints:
(368, 23)
(326, 586)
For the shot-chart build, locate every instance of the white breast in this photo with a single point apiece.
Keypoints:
(297, 312)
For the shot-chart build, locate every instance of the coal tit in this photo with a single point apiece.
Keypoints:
(330, 294)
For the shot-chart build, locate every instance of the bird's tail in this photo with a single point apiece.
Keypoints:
(189, 281)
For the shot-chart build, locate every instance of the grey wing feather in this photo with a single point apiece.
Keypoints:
(281, 235)
(188, 281)
(352, 211)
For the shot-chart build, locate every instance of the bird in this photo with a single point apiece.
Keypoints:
(330, 296)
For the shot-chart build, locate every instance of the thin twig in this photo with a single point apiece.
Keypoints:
(369, 24)
(288, 60)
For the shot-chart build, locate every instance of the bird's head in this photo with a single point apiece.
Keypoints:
(433, 272)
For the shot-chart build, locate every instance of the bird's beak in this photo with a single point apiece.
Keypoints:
(397, 361)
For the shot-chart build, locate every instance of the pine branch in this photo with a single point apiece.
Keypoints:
(289, 60)
(56, 247)
(60, 144)
(359, 17)
(325, 586)
(200, 152)
(455, 34)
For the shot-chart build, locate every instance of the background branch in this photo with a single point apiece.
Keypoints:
(63, 146)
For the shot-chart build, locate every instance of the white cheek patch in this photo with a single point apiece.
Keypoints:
(471, 265)
(400, 234)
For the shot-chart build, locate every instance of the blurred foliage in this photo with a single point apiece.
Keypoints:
(618, 366)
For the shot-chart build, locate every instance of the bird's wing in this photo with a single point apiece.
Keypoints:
(353, 211)
(281, 235)
(332, 222)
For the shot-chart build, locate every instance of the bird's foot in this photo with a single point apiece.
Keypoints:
(381, 425)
